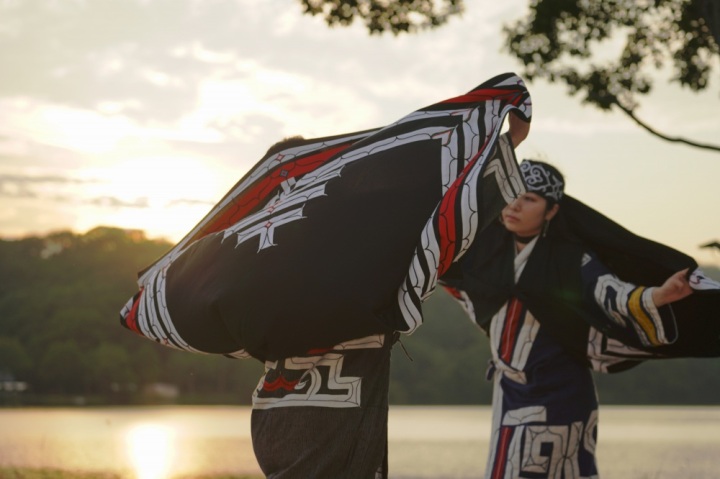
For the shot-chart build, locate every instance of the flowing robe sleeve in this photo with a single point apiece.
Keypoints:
(336, 238)
(598, 307)
(631, 313)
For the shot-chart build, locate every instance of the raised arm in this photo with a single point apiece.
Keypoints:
(519, 129)
(675, 288)
(632, 308)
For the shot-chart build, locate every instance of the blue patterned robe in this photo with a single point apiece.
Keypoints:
(569, 303)
(545, 408)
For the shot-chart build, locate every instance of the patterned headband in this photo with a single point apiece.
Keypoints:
(542, 179)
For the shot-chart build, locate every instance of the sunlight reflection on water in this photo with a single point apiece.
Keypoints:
(151, 448)
(426, 442)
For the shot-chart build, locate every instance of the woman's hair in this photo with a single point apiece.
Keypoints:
(287, 142)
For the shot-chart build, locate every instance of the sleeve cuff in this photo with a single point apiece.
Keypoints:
(656, 326)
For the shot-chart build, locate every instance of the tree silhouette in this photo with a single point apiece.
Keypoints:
(59, 333)
(559, 39)
(398, 16)
(712, 244)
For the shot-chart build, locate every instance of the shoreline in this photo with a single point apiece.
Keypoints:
(52, 473)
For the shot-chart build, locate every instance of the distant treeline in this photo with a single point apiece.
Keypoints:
(61, 341)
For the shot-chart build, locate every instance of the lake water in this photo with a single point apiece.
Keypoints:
(425, 441)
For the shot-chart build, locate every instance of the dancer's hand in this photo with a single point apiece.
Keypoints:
(519, 128)
(675, 288)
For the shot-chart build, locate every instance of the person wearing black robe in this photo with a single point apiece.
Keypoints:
(553, 311)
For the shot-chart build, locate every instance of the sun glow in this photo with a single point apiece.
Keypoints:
(151, 448)
(158, 179)
(163, 195)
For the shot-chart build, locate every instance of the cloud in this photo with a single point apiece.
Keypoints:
(189, 202)
(148, 59)
(41, 179)
(90, 52)
(24, 148)
(21, 186)
(145, 59)
(112, 202)
(54, 188)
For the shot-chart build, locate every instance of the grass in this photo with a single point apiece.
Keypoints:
(29, 473)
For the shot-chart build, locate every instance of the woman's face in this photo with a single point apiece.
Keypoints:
(527, 214)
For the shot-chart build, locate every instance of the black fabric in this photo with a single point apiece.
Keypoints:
(323, 246)
(631, 257)
(306, 438)
(335, 238)
(551, 283)
(486, 273)
(645, 262)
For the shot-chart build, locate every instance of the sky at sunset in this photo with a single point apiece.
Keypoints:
(141, 114)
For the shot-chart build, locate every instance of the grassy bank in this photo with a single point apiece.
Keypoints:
(27, 473)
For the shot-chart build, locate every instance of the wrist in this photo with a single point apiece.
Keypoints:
(658, 297)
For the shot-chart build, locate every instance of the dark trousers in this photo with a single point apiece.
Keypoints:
(324, 415)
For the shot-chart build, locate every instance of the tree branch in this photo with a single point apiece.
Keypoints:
(629, 113)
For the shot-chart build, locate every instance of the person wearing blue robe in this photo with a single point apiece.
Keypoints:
(553, 312)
